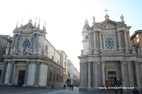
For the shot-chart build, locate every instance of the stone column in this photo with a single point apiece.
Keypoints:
(137, 67)
(119, 41)
(103, 74)
(43, 75)
(99, 74)
(31, 74)
(3, 73)
(9, 74)
(15, 75)
(124, 73)
(89, 75)
(130, 74)
(84, 75)
(26, 73)
(95, 80)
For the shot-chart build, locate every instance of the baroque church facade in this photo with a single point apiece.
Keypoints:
(109, 57)
(31, 60)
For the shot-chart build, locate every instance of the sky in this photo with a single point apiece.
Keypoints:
(65, 19)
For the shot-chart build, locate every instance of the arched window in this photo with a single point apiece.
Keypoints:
(26, 44)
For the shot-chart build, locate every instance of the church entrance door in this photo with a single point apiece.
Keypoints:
(21, 77)
(111, 79)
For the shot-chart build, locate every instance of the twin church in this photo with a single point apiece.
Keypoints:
(31, 60)
(110, 57)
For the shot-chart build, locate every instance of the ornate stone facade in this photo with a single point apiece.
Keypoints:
(32, 60)
(108, 57)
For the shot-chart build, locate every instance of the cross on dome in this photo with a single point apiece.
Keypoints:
(106, 16)
(106, 10)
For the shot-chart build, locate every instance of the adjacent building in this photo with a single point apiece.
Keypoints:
(136, 39)
(73, 75)
(109, 56)
(31, 60)
(4, 40)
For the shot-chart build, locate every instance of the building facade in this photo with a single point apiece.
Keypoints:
(31, 60)
(108, 57)
(73, 75)
(64, 63)
(136, 39)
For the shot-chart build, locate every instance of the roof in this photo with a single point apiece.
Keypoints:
(136, 32)
(112, 24)
(29, 28)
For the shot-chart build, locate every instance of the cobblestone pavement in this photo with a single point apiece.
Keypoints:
(30, 90)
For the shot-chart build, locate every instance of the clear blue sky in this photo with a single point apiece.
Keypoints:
(65, 18)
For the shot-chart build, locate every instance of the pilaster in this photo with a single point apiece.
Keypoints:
(126, 42)
(119, 41)
(95, 47)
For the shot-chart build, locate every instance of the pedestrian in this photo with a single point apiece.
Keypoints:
(52, 87)
(72, 87)
(64, 86)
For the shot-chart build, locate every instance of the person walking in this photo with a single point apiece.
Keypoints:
(64, 86)
(72, 87)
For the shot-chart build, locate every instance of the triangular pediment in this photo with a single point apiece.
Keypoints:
(108, 25)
